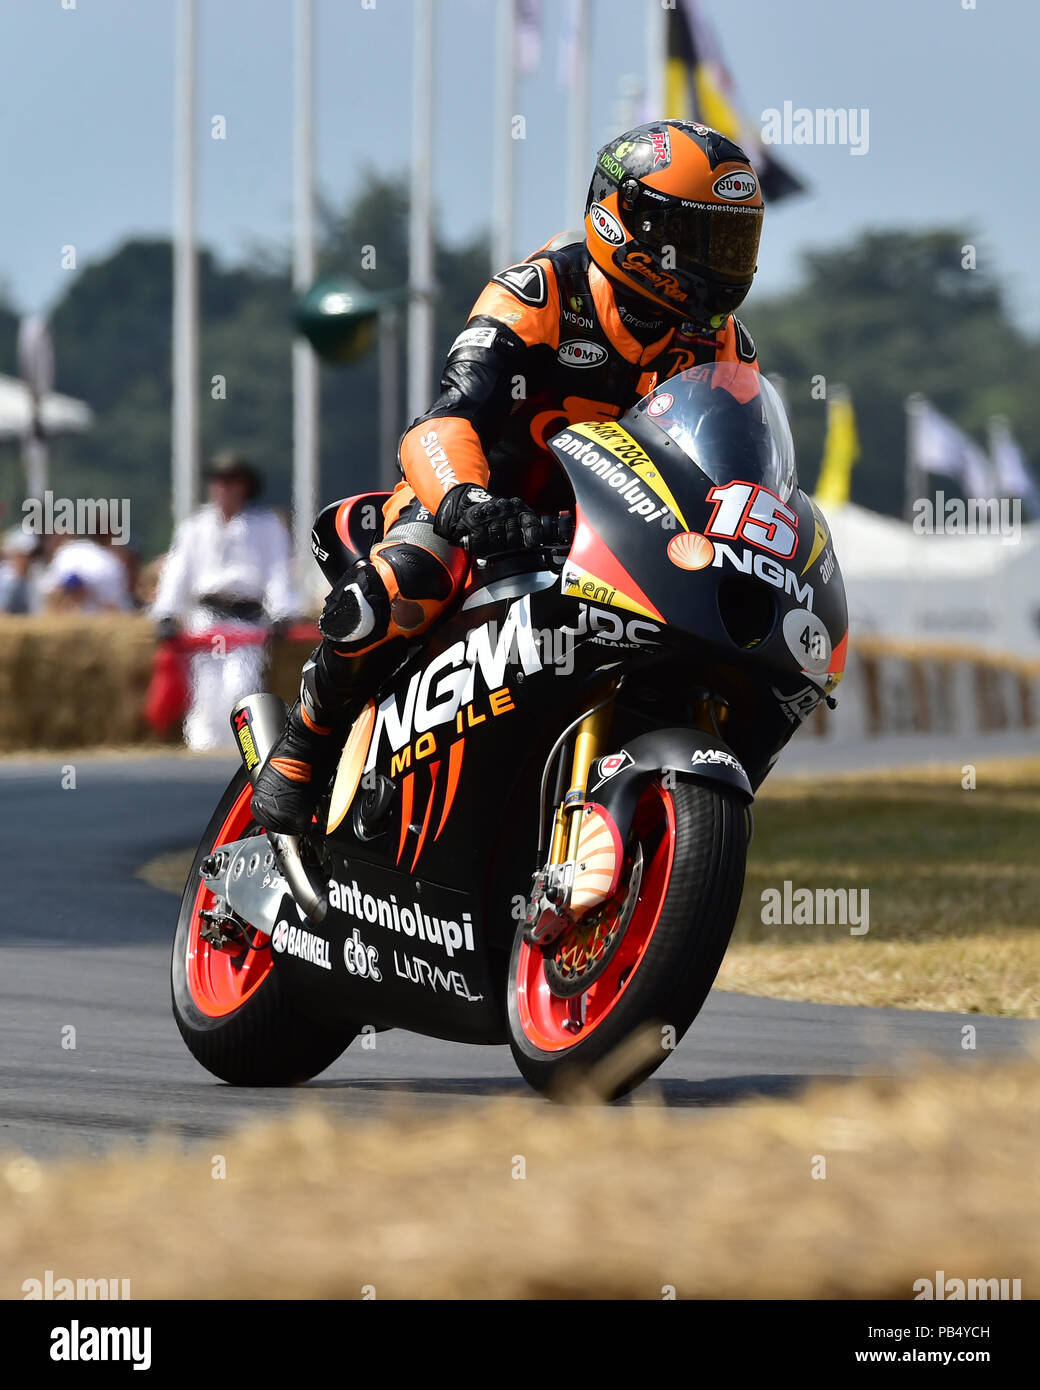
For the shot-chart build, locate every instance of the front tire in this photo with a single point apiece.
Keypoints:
(648, 960)
(231, 1010)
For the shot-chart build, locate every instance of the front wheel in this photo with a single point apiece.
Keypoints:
(648, 956)
(230, 1008)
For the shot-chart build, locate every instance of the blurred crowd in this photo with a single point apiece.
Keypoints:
(221, 591)
(62, 574)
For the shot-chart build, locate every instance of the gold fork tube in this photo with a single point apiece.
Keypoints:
(589, 743)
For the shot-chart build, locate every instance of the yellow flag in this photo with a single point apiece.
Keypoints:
(712, 107)
(840, 451)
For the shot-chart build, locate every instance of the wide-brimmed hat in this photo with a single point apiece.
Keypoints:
(229, 464)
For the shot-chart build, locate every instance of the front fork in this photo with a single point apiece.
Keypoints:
(549, 915)
(555, 904)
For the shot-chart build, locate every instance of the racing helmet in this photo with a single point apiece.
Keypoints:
(674, 214)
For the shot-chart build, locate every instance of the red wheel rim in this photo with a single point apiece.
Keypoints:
(546, 1018)
(220, 982)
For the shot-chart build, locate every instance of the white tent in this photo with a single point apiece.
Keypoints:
(981, 590)
(59, 414)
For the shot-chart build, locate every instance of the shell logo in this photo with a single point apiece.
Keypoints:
(691, 551)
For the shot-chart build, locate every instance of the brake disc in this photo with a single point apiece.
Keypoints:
(581, 955)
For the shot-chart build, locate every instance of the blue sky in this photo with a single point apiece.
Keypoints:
(86, 93)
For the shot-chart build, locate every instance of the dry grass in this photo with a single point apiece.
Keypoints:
(954, 883)
(997, 974)
(932, 1172)
(168, 872)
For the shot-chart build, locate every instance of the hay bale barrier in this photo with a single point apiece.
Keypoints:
(79, 682)
(857, 1190)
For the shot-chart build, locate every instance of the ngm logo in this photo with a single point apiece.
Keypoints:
(692, 551)
(438, 693)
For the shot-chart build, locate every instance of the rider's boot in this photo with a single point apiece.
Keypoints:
(297, 771)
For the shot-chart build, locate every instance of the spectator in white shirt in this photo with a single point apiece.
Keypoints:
(86, 576)
(226, 573)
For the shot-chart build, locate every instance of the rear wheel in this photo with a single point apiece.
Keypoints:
(649, 955)
(230, 1006)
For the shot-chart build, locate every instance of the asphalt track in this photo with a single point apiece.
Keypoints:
(84, 942)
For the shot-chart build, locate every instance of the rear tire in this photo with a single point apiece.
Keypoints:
(235, 1017)
(693, 840)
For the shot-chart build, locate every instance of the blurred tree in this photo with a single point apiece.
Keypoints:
(369, 242)
(892, 313)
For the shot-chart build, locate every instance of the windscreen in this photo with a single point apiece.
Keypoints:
(730, 420)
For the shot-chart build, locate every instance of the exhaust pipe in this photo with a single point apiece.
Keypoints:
(257, 721)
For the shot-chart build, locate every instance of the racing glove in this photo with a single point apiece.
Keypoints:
(482, 524)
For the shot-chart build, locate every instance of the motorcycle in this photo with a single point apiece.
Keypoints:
(537, 830)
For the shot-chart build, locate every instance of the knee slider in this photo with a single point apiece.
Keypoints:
(357, 609)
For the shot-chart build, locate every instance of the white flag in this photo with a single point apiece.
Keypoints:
(938, 446)
(568, 56)
(1010, 470)
(528, 34)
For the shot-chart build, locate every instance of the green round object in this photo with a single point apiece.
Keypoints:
(338, 318)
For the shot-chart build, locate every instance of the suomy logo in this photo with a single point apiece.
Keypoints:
(577, 353)
(736, 186)
(607, 226)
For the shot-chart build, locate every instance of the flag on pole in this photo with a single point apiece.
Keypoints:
(936, 445)
(528, 18)
(568, 56)
(699, 87)
(840, 450)
(1011, 473)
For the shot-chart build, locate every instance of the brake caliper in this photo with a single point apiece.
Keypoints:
(548, 914)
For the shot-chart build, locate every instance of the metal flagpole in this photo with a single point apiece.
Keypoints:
(389, 331)
(184, 424)
(914, 482)
(35, 352)
(579, 114)
(504, 145)
(656, 61)
(305, 371)
(420, 233)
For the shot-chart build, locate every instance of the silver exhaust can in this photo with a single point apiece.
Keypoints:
(257, 721)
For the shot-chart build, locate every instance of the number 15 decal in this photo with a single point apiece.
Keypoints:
(753, 514)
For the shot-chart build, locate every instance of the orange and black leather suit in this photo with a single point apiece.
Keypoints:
(548, 343)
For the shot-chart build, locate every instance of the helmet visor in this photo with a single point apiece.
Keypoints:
(720, 238)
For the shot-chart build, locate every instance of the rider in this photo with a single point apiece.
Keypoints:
(581, 330)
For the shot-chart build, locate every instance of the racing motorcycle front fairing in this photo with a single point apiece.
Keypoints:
(690, 525)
